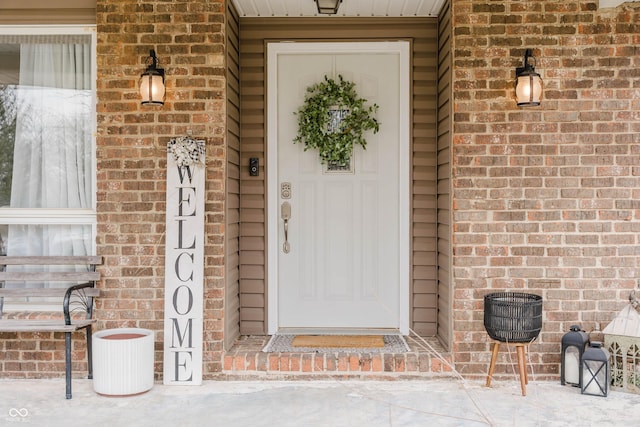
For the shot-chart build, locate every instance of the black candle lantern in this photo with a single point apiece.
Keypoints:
(595, 370)
(574, 343)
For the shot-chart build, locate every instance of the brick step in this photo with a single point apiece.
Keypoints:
(246, 357)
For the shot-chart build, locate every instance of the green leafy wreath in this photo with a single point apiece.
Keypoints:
(318, 127)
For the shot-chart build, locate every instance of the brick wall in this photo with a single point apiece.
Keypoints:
(188, 38)
(546, 199)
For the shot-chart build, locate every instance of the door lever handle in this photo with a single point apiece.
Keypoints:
(285, 213)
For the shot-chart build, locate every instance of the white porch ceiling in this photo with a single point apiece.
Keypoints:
(363, 8)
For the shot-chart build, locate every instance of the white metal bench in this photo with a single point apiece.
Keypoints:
(76, 299)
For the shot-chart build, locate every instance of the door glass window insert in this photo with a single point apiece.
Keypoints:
(335, 124)
(336, 119)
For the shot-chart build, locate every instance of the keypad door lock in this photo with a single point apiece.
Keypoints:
(285, 190)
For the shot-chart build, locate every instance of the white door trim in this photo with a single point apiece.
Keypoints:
(273, 51)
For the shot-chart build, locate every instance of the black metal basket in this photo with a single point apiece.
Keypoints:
(513, 316)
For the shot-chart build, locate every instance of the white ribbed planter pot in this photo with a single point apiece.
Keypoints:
(123, 361)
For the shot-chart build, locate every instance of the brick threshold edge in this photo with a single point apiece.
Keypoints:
(246, 358)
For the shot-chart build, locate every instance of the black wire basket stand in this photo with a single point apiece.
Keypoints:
(513, 317)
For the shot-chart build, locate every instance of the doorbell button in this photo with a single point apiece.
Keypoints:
(254, 166)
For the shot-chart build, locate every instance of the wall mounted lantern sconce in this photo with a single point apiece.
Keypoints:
(528, 83)
(152, 83)
(328, 7)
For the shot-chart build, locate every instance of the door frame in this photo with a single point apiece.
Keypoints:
(274, 49)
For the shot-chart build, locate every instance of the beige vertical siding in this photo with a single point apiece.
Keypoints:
(423, 218)
(254, 33)
(445, 291)
(232, 263)
(253, 192)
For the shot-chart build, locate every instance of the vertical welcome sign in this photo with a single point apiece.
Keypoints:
(184, 262)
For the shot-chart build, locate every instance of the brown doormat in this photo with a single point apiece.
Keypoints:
(338, 341)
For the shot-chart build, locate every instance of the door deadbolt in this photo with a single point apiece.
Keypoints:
(285, 190)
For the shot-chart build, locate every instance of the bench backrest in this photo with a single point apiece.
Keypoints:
(90, 275)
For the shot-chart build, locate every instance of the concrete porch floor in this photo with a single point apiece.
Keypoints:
(335, 403)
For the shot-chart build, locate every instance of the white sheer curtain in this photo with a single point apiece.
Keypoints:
(52, 154)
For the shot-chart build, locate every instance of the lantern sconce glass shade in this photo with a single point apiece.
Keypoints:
(152, 89)
(595, 370)
(574, 344)
(328, 7)
(528, 83)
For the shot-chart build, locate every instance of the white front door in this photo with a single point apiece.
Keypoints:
(347, 265)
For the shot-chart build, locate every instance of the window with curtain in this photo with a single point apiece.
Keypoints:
(47, 143)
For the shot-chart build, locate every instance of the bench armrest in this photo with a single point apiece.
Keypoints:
(85, 301)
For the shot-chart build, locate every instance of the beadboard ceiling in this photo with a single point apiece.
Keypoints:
(364, 8)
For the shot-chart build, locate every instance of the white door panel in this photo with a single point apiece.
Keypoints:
(347, 266)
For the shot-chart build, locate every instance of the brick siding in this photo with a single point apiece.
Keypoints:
(188, 39)
(546, 199)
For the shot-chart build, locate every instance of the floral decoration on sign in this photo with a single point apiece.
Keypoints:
(333, 118)
(187, 151)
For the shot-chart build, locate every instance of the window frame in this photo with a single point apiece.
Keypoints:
(59, 216)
